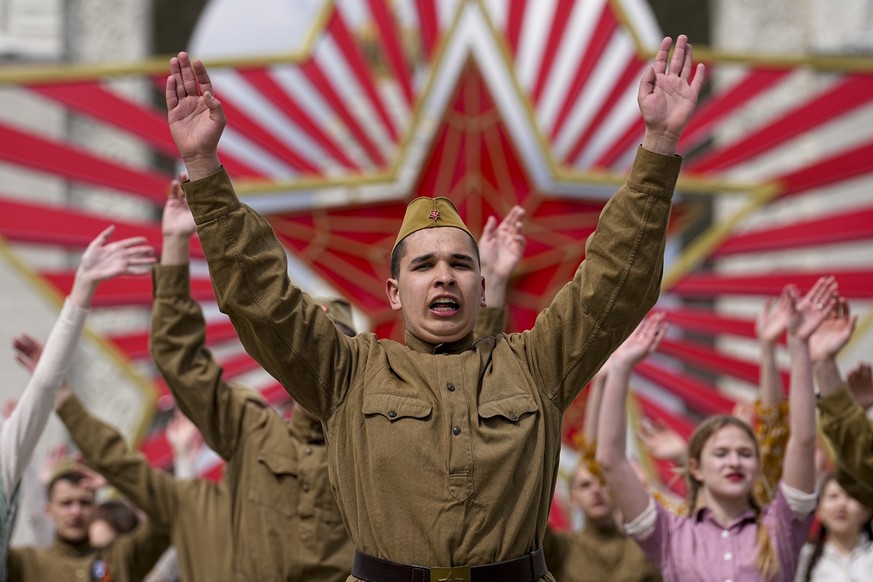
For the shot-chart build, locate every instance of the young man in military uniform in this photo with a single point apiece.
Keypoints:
(285, 524)
(443, 452)
(70, 508)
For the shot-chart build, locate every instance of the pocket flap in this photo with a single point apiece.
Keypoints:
(279, 463)
(511, 408)
(394, 406)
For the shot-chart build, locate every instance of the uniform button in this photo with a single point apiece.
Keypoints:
(306, 486)
(728, 556)
(450, 387)
(456, 431)
(513, 416)
(392, 414)
(724, 534)
(308, 450)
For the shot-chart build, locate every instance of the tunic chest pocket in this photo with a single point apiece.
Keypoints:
(512, 408)
(395, 407)
(277, 482)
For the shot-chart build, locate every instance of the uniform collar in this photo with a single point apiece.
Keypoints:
(306, 429)
(602, 530)
(70, 549)
(419, 345)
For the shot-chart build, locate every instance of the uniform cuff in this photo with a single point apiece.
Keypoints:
(838, 405)
(654, 174)
(171, 281)
(210, 197)
(71, 410)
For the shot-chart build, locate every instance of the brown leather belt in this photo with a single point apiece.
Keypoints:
(527, 568)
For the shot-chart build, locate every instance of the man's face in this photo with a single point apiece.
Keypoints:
(71, 509)
(588, 495)
(439, 287)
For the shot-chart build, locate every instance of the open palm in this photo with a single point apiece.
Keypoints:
(194, 114)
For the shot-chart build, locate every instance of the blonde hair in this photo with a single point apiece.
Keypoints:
(767, 560)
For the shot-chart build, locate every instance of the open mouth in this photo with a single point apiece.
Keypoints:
(735, 477)
(444, 306)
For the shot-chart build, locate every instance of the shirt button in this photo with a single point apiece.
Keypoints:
(306, 486)
(728, 556)
(392, 414)
(308, 450)
(724, 534)
(456, 431)
(450, 387)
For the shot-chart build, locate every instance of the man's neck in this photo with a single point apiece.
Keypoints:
(417, 344)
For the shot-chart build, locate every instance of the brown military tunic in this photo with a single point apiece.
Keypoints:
(441, 455)
(128, 559)
(285, 523)
(195, 511)
(597, 554)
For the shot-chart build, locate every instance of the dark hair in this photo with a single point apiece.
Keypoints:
(398, 251)
(395, 258)
(71, 476)
(120, 516)
(818, 550)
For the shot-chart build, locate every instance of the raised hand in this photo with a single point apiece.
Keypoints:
(177, 219)
(27, 351)
(833, 333)
(772, 321)
(195, 116)
(668, 95)
(183, 436)
(642, 342)
(860, 381)
(500, 249)
(809, 312)
(662, 442)
(104, 260)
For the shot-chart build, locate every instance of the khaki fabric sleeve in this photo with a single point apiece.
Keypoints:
(105, 450)
(851, 433)
(613, 288)
(491, 321)
(279, 325)
(178, 345)
(138, 551)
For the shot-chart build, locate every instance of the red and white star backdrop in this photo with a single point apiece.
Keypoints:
(493, 103)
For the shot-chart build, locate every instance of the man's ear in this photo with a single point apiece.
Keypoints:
(482, 299)
(392, 290)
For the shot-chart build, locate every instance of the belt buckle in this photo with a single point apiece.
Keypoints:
(456, 574)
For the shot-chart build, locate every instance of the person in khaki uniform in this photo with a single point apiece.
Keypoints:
(195, 512)
(443, 452)
(600, 550)
(284, 524)
(71, 557)
(844, 405)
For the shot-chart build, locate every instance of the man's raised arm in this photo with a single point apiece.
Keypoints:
(619, 280)
(280, 326)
